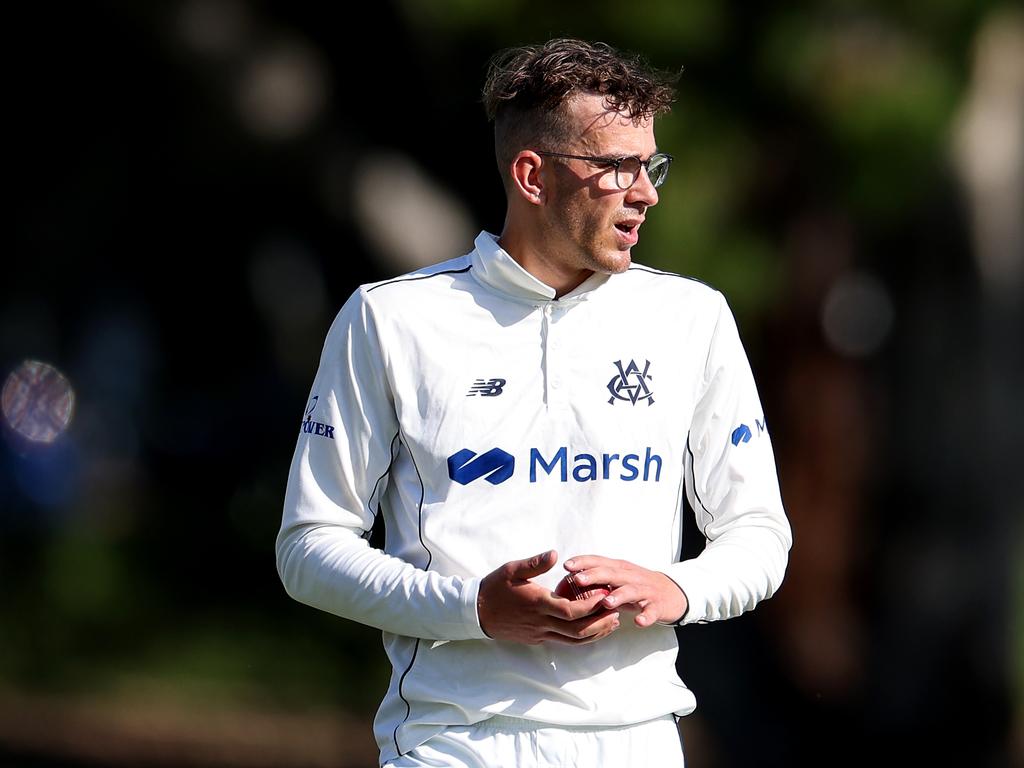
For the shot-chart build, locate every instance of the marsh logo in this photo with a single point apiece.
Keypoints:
(495, 466)
(588, 466)
(630, 383)
(742, 433)
(311, 427)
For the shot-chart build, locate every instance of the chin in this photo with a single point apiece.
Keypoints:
(608, 259)
(616, 262)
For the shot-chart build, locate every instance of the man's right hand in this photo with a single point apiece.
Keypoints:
(511, 607)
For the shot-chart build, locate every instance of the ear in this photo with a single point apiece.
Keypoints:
(526, 178)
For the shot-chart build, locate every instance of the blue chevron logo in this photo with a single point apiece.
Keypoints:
(742, 432)
(496, 466)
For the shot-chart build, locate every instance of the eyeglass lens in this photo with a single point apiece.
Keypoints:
(629, 169)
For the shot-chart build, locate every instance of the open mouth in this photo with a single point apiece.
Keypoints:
(629, 231)
(629, 226)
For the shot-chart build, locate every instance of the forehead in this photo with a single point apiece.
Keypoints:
(604, 131)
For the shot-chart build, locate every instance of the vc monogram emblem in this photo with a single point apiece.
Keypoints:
(630, 383)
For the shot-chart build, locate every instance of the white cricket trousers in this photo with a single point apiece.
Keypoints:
(507, 742)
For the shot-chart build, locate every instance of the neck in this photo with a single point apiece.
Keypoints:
(530, 254)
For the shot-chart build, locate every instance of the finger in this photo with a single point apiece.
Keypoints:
(624, 595)
(533, 566)
(582, 562)
(628, 607)
(601, 574)
(601, 633)
(647, 617)
(571, 610)
(600, 624)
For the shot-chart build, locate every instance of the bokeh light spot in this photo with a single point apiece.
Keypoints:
(37, 401)
(283, 91)
(857, 315)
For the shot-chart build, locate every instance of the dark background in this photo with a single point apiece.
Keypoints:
(196, 187)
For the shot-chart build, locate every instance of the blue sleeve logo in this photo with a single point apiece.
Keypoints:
(742, 433)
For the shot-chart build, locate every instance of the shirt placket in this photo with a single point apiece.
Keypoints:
(555, 384)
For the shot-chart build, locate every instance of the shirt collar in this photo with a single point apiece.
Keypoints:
(493, 267)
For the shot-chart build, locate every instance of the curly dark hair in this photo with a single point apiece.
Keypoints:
(527, 86)
(542, 76)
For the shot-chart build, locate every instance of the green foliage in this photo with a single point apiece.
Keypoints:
(883, 95)
(696, 229)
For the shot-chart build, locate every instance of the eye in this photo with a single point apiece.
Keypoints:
(628, 168)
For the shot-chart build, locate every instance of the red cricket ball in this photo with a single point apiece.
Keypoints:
(570, 590)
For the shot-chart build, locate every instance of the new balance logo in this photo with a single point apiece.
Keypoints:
(486, 387)
(495, 466)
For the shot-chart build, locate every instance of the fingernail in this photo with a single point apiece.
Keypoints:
(570, 563)
(609, 601)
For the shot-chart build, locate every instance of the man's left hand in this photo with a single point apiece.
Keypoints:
(655, 595)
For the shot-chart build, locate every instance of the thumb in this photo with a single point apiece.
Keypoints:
(533, 566)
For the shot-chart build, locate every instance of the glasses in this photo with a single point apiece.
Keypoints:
(627, 169)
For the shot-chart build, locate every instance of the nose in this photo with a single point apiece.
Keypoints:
(642, 191)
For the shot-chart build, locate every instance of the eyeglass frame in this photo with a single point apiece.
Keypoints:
(616, 163)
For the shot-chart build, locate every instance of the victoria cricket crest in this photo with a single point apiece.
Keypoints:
(631, 384)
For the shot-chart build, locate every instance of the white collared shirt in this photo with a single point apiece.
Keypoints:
(487, 422)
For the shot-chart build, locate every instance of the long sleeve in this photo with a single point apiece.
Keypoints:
(732, 485)
(348, 441)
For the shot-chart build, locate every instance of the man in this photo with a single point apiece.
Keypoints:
(538, 398)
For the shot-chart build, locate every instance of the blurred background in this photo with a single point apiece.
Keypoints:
(198, 185)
